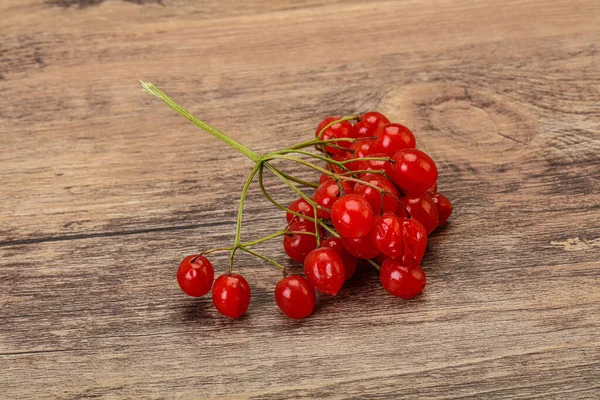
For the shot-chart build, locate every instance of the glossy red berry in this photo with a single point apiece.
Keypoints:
(298, 245)
(375, 165)
(300, 206)
(413, 171)
(361, 149)
(195, 275)
(360, 248)
(327, 193)
(401, 280)
(387, 235)
(422, 208)
(368, 124)
(335, 131)
(231, 295)
(414, 238)
(295, 296)
(348, 259)
(444, 208)
(391, 138)
(352, 216)
(324, 269)
(387, 202)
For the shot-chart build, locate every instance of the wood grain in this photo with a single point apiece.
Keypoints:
(104, 190)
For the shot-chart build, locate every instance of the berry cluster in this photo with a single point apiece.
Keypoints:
(376, 200)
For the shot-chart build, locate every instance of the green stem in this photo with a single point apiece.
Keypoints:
(373, 263)
(348, 118)
(263, 257)
(300, 181)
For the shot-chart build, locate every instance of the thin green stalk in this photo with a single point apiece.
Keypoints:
(263, 257)
(373, 263)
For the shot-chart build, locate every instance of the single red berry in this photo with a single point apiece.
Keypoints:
(413, 171)
(348, 259)
(379, 203)
(295, 296)
(391, 138)
(369, 123)
(324, 269)
(298, 245)
(387, 235)
(360, 247)
(231, 295)
(422, 208)
(324, 177)
(195, 275)
(401, 280)
(351, 215)
(444, 208)
(414, 238)
(327, 193)
(361, 149)
(375, 165)
(300, 206)
(335, 131)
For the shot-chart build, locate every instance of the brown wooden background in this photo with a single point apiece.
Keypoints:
(104, 190)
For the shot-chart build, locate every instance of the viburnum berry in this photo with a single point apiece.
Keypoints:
(298, 245)
(368, 124)
(422, 208)
(348, 259)
(360, 247)
(414, 239)
(352, 216)
(231, 295)
(391, 138)
(301, 206)
(401, 280)
(444, 208)
(295, 296)
(195, 275)
(386, 202)
(327, 193)
(375, 165)
(361, 149)
(387, 235)
(324, 269)
(339, 130)
(413, 171)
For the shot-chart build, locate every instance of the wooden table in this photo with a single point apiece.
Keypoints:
(104, 190)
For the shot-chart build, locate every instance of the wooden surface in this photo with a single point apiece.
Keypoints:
(104, 190)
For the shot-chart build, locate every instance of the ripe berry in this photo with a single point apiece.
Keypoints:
(301, 206)
(348, 259)
(369, 123)
(351, 215)
(401, 280)
(413, 171)
(387, 202)
(414, 238)
(324, 269)
(422, 208)
(387, 235)
(231, 295)
(335, 131)
(361, 149)
(295, 296)
(444, 208)
(391, 138)
(195, 275)
(327, 193)
(375, 165)
(298, 245)
(360, 247)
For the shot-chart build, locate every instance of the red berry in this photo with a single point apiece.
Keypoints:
(295, 296)
(348, 259)
(360, 247)
(324, 177)
(351, 215)
(401, 280)
(298, 245)
(375, 165)
(231, 295)
(391, 138)
(422, 208)
(195, 275)
(361, 149)
(432, 190)
(327, 193)
(374, 197)
(301, 206)
(324, 269)
(413, 171)
(444, 208)
(369, 123)
(387, 235)
(414, 238)
(335, 131)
